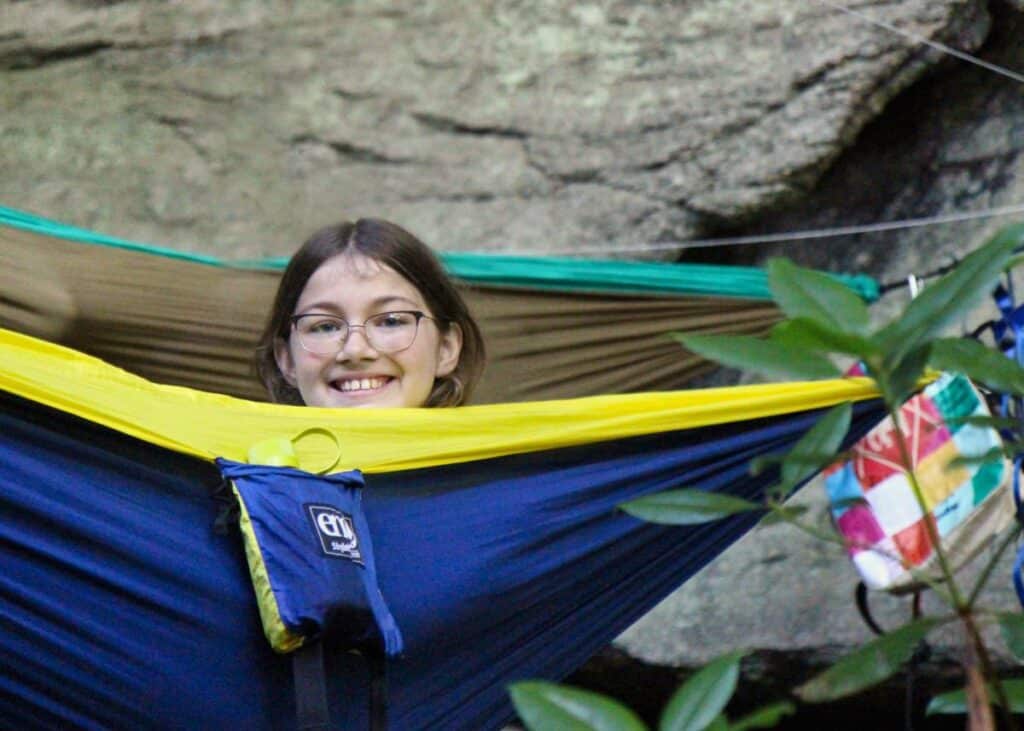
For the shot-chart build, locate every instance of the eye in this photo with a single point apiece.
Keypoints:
(321, 325)
(390, 320)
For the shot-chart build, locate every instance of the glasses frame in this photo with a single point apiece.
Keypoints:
(418, 314)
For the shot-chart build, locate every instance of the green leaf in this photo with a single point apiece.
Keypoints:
(817, 447)
(996, 422)
(952, 296)
(760, 464)
(1014, 690)
(805, 293)
(784, 513)
(765, 717)
(965, 460)
(763, 356)
(704, 696)
(955, 701)
(803, 334)
(542, 706)
(870, 664)
(1011, 625)
(978, 362)
(688, 506)
(902, 380)
(721, 723)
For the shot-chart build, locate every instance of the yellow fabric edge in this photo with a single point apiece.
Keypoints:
(280, 638)
(209, 425)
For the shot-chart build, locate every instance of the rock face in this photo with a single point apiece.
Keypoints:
(237, 128)
(617, 128)
(950, 144)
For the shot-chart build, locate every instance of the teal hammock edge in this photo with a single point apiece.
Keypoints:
(503, 270)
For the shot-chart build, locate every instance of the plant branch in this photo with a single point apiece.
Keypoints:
(977, 665)
(821, 535)
(1011, 536)
(978, 660)
(930, 527)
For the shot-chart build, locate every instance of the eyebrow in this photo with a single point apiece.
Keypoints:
(375, 303)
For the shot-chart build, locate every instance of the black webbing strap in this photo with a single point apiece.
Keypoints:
(311, 709)
(865, 610)
(378, 665)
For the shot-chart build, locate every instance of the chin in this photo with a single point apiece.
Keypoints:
(369, 405)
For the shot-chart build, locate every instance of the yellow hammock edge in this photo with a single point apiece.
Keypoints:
(210, 425)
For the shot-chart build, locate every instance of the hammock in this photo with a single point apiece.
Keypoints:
(555, 328)
(499, 548)
(498, 545)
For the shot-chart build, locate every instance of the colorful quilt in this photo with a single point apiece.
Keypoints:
(887, 526)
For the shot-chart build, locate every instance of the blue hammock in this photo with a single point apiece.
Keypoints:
(122, 608)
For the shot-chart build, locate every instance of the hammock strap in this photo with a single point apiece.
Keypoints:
(311, 707)
(311, 711)
(378, 666)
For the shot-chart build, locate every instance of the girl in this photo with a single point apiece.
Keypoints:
(366, 316)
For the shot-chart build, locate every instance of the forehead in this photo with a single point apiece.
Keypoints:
(352, 282)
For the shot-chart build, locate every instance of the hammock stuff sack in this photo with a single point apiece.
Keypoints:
(311, 560)
(964, 480)
(497, 542)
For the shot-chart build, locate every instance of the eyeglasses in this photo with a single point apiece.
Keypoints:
(388, 332)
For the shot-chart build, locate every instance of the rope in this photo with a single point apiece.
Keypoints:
(788, 236)
(942, 47)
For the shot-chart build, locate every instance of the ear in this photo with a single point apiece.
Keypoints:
(285, 362)
(448, 350)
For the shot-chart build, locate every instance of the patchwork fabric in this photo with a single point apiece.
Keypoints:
(889, 529)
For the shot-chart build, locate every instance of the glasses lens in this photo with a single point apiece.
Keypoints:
(390, 332)
(321, 333)
(387, 332)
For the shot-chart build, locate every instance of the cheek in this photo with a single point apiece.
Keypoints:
(419, 369)
(427, 358)
(307, 365)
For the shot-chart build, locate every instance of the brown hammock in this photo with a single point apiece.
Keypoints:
(187, 323)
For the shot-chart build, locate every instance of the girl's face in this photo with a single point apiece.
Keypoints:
(355, 287)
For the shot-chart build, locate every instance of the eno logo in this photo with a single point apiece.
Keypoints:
(336, 532)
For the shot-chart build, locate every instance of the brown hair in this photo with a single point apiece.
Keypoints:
(394, 247)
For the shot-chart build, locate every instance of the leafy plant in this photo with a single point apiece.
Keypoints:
(698, 704)
(825, 319)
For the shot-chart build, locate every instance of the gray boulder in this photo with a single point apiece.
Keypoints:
(544, 127)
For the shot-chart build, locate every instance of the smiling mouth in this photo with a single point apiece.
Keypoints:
(357, 385)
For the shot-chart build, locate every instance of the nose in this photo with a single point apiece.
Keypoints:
(356, 345)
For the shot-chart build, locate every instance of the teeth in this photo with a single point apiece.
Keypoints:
(361, 384)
